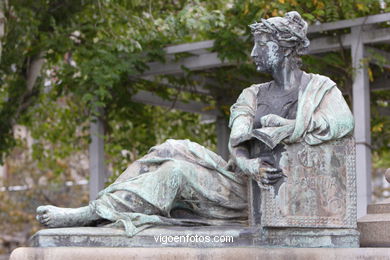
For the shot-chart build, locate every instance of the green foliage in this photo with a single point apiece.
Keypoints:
(95, 51)
(380, 128)
(28, 34)
(132, 138)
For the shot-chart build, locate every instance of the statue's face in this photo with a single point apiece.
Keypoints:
(266, 53)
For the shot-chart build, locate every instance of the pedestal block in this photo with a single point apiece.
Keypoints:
(86, 253)
(375, 226)
(196, 237)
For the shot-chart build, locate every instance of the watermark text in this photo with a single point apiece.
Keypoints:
(168, 239)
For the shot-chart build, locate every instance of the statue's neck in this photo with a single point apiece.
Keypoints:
(286, 78)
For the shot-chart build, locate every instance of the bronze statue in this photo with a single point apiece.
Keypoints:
(183, 183)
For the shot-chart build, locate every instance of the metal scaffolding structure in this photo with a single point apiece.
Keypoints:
(363, 31)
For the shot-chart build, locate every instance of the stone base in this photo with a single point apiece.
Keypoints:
(375, 227)
(197, 237)
(62, 253)
(310, 237)
(153, 237)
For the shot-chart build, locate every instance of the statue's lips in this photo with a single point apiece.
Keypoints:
(257, 63)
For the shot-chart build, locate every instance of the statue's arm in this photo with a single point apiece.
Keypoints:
(332, 120)
(241, 123)
(258, 169)
(240, 157)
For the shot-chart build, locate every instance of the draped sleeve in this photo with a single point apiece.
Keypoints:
(242, 114)
(322, 113)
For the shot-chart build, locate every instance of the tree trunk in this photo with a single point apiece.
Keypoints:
(3, 5)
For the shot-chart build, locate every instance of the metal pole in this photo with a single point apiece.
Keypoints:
(96, 158)
(361, 111)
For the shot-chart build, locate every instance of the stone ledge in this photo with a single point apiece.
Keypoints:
(238, 236)
(85, 253)
(375, 230)
(112, 237)
(379, 208)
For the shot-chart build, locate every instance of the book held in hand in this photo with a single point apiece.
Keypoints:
(272, 136)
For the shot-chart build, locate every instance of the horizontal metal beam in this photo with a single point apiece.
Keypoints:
(197, 46)
(376, 36)
(318, 45)
(150, 98)
(329, 43)
(372, 19)
(203, 61)
(332, 43)
(198, 88)
(189, 47)
(211, 60)
(207, 60)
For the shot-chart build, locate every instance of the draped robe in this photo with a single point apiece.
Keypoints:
(182, 175)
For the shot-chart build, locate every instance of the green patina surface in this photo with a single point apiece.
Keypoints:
(183, 174)
(182, 183)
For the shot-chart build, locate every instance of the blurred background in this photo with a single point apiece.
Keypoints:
(87, 87)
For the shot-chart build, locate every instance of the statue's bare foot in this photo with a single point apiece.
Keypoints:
(52, 216)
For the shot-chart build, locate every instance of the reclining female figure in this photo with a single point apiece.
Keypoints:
(182, 183)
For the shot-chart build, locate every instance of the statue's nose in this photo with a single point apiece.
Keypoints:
(254, 53)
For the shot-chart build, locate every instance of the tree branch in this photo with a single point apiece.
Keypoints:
(3, 6)
(34, 70)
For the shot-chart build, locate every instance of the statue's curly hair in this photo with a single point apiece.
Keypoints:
(289, 31)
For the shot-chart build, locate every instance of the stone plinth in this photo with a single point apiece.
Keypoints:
(197, 237)
(71, 253)
(375, 226)
(153, 237)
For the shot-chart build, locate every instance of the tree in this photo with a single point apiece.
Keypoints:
(63, 60)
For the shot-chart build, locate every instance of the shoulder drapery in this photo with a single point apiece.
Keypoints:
(322, 113)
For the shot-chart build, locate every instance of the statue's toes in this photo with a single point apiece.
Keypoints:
(44, 217)
(41, 220)
(42, 210)
(45, 221)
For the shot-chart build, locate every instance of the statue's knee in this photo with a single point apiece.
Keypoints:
(162, 150)
(174, 170)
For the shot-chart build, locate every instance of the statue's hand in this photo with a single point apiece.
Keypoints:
(268, 176)
(260, 170)
(272, 120)
(247, 166)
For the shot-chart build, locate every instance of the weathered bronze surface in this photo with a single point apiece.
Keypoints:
(289, 138)
(319, 191)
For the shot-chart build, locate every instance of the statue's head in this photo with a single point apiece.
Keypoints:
(277, 39)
